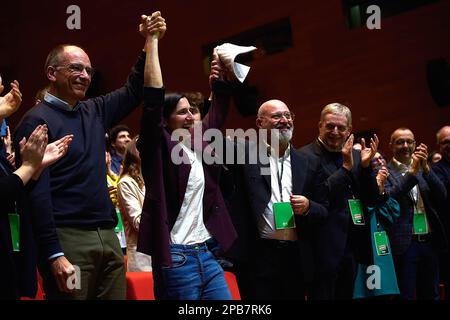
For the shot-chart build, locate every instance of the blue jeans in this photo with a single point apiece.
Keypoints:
(194, 275)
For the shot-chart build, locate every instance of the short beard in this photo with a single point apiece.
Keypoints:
(284, 137)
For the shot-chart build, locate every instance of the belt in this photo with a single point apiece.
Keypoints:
(422, 237)
(278, 244)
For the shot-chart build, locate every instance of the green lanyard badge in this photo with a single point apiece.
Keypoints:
(357, 212)
(381, 243)
(284, 215)
(14, 225)
(420, 223)
(119, 226)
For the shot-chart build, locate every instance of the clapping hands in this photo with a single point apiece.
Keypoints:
(11, 101)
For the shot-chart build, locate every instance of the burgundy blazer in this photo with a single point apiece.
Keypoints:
(166, 182)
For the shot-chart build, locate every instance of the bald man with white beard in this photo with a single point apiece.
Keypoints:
(274, 260)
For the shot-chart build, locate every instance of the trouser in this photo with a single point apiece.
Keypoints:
(275, 272)
(338, 285)
(418, 270)
(96, 253)
(444, 273)
(194, 275)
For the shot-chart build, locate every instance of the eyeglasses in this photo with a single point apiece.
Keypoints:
(444, 142)
(77, 69)
(378, 159)
(278, 115)
(401, 142)
(331, 126)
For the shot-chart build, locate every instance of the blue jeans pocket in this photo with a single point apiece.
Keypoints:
(178, 260)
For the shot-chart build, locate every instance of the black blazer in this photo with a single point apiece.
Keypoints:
(17, 269)
(247, 193)
(331, 236)
(433, 193)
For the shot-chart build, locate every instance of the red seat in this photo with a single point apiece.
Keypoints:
(40, 291)
(140, 286)
(230, 278)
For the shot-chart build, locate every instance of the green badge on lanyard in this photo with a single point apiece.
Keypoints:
(381, 243)
(14, 225)
(119, 226)
(284, 216)
(420, 223)
(357, 212)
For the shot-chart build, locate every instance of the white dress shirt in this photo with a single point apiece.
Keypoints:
(266, 223)
(189, 227)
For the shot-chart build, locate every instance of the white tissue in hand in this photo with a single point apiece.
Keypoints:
(228, 53)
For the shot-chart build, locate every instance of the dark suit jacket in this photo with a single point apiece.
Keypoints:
(166, 182)
(17, 269)
(331, 235)
(433, 193)
(442, 171)
(250, 192)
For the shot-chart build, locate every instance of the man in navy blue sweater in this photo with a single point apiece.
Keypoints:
(73, 217)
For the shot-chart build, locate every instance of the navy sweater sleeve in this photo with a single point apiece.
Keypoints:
(151, 121)
(116, 105)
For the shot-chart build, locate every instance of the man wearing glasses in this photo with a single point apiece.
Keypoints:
(347, 177)
(442, 170)
(272, 211)
(418, 234)
(73, 216)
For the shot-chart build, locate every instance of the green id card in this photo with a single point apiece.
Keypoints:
(357, 212)
(381, 243)
(119, 226)
(420, 223)
(14, 225)
(284, 216)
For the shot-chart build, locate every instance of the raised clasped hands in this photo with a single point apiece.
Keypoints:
(153, 26)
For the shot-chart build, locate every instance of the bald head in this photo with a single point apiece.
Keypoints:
(69, 71)
(442, 133)
(402, 144)
(275, 114)
(55, 56)
(443, 141)
(400, 131)
(267, 107)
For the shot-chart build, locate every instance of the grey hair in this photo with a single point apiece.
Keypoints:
(337, 108)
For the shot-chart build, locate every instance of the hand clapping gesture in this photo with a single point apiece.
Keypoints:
(11, 101)
(367, 153)
(347, 155)
(382, 175)
(419, 157)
